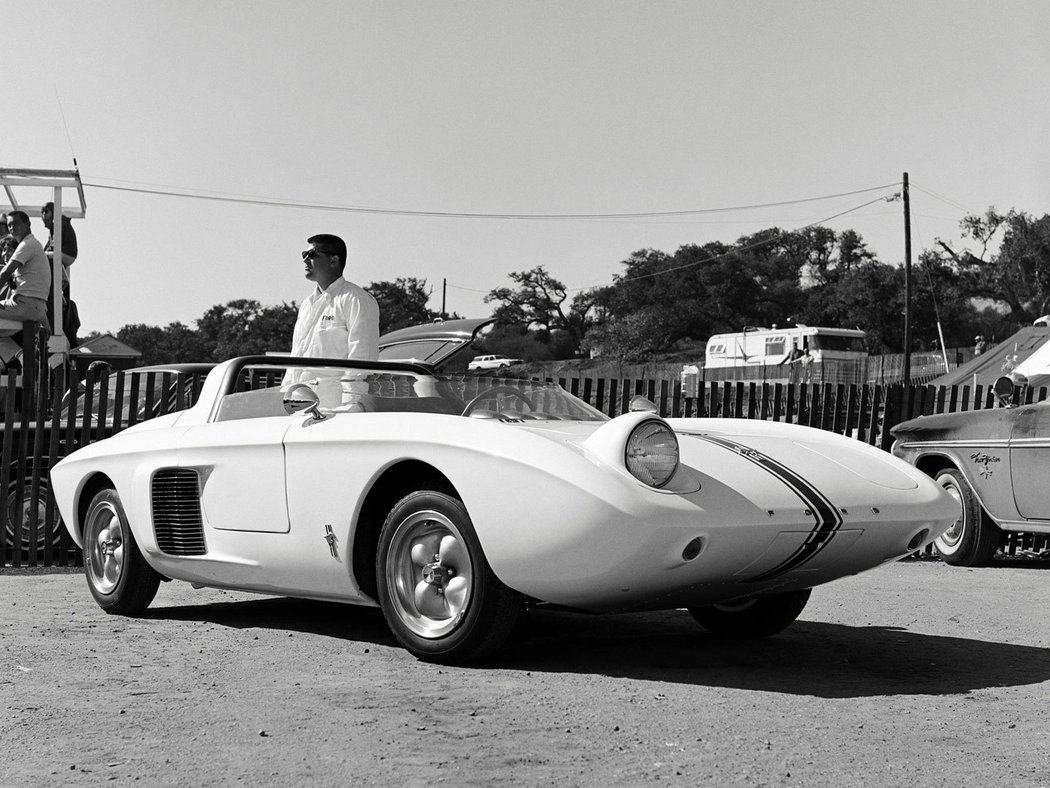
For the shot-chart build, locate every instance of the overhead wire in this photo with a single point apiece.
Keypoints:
(199, 194)
(712, 258)
(228, 197)
(65, 125)
(942, 198)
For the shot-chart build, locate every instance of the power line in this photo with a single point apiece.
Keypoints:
(695, 263)
(227, 197)
(943, 199)
(167, 191)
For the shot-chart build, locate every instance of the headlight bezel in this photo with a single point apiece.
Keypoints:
(646, 456)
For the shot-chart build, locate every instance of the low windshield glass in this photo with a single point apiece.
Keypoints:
(337, 390)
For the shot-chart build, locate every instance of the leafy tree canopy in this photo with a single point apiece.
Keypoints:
(244, 327)
(538, 301)
(1019, 274)
(402, 303)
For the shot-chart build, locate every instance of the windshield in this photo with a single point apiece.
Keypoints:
(361, 391)
(837, 342)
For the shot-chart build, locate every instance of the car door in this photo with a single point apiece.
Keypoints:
(328, 465)
(1029, 460)
(241, 469)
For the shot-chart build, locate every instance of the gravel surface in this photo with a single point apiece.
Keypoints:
(915, 674)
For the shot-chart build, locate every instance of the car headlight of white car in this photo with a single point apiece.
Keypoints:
(651, 453)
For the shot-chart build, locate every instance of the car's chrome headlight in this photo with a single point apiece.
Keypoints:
(652, 453)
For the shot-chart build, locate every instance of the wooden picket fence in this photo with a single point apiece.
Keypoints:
(42, 425)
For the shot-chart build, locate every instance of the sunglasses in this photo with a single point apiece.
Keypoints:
(310, 254)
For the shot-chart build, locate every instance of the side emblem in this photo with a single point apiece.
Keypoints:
(984, 461)
(329, 536)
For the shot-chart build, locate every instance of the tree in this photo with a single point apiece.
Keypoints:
(402, 303)
(245, 328)
(537, 301)
(1019, 274)
(634, 337)
(171, 345)
(148, 340)
(705, 290)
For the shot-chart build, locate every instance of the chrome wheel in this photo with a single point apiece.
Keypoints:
(20, 519)
(104, 548)
(18, 533)
(948, 542)
(429, 573)
(438, 594)
(973, 537)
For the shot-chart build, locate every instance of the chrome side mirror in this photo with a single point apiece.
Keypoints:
(1004, 389)
(303, 399)
(640, 404)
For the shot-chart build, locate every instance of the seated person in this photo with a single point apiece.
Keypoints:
(25, 279)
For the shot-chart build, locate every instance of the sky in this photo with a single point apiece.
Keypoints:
(458, 142)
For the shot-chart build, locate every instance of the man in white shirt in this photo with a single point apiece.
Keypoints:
(338, 319)
(25, 280)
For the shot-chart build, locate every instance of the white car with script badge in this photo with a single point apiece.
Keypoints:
(456, 502)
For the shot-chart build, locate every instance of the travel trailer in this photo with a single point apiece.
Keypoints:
(772, 346)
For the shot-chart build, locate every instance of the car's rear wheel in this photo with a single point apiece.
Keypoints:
(438, 594)
(973, 538)
(119, 577)
(757, 617)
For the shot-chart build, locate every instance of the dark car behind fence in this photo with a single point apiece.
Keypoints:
(44, 423)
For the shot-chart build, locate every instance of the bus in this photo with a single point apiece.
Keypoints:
(772, 346)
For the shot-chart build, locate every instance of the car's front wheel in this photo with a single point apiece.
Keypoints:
(973, 538)
(119, 577)
(757, 617)
(437, 592)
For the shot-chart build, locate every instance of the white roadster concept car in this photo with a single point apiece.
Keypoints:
(455, 501)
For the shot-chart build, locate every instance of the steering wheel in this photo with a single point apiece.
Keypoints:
(492, 392)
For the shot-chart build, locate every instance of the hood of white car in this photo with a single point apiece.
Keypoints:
(707, 444)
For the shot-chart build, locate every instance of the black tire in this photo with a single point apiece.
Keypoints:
(973, 539)
(753, 618)
(119, 577)
(438, 594)
(17, 532)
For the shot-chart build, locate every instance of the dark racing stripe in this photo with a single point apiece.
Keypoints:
(827, 519)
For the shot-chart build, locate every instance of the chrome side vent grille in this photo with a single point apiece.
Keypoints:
(176, 503)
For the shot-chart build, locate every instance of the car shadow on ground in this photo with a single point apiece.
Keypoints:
(809, 658)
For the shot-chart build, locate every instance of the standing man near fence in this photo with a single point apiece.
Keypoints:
(70, 313)
(338, 319)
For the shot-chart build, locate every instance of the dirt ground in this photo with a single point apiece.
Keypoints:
(915, 674)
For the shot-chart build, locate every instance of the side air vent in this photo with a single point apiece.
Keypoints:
(176, 502)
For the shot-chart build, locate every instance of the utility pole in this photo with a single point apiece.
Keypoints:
(907, 282)
(444, 285)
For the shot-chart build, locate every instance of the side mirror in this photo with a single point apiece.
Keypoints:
(301, 398)
(641, 404)
(1004, 390)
